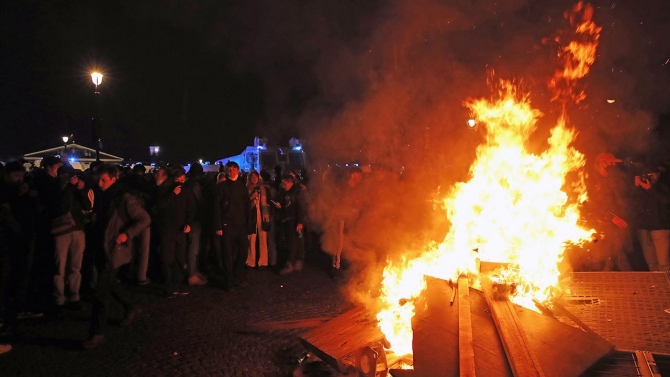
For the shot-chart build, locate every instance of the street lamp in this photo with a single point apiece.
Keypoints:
(96, 125)
(153, 152)
(65, 139)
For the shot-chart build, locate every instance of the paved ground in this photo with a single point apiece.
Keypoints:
(206, 333)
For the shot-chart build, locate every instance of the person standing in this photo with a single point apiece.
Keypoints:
(175, 216)
(260, 213)
(652, 219)
(195, 189)
(18, 213)
(609, 210)
(293, 218)
(231, 210)
(271, 196)
(69, 237)
(120, 218)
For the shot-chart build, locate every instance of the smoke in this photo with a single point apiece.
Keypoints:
(382, 84)
(395, 104)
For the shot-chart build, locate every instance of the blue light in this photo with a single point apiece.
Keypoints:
(72, 159)
(297, 148)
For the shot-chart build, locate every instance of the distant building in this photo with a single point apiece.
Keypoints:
(79, 156)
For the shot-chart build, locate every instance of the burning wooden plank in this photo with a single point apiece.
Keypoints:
(520, 356)
(466, 351)
(436, 339)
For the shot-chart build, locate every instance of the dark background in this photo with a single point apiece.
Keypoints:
(355, 79)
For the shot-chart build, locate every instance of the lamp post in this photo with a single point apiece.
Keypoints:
(153, 152)
(65, 139)
(96, 77)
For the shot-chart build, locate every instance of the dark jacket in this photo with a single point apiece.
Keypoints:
(197, 192)
(651, 207)
(123, 214)
(608, 196)
(174, 212)
(77, 202)
(18, 212)
(293, 205)
(231, 206)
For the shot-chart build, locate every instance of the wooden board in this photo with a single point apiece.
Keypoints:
(561, 350)
(520, 356)
(342, 336)
(466, 352)
(286, 325)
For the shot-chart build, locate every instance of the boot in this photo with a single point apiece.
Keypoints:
(93, 342)
(287, 269)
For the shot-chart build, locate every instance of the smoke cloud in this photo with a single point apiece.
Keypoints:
(382, 84)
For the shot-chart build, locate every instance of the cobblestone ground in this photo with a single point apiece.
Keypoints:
(206, 333)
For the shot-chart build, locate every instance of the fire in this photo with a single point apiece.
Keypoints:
(517, 207)
(578, 55)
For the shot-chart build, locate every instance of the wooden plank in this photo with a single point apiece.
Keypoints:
(562, 350)
(286, 325)
(342, 336)
(520, 357)
(562, 310)
(466, 352)
(436, 335)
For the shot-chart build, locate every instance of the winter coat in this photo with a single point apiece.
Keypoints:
(125, 215)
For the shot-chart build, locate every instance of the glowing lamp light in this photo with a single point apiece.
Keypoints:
(96, 77)
(200, 161)
(611, 101)
(72, 159)
(65, 139)
(297, 148)
(472, 123)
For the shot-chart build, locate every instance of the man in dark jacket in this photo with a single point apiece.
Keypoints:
(120, 218)
(652, 220)
(68, 231)
(608, 209)
(18, 213)
(293, 218)
(195, 188)
(231, 209)
(175, 212)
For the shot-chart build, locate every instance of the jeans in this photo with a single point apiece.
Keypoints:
(173, 251)
(194, 247)
(296, 245)
(262, 237)
(656, 248)
(235, 246)
(142, 246)
(68, 255)
(16, 259)
(107, 287)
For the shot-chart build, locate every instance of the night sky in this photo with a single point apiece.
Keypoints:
(355, 79)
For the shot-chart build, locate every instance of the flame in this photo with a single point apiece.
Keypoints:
(578, 55)
(517, 207)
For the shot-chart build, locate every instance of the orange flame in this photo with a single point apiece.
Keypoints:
(514, 209)
(577, 56)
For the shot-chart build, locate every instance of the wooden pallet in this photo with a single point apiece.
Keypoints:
(340, 338)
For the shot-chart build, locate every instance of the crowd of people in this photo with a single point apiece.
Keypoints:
(66, 233)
